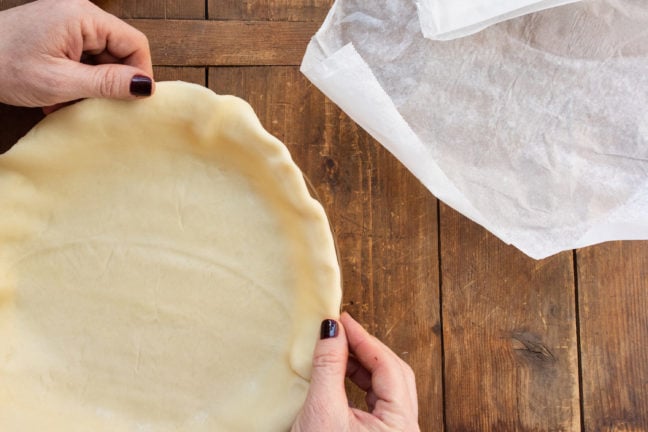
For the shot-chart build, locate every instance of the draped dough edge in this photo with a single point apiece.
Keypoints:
(246, 129)
(237, 121)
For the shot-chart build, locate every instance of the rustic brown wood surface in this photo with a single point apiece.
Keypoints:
(166, 9)
(230, 43)
(271, 10)
(509, 334)
(498, 341)
(613, 308)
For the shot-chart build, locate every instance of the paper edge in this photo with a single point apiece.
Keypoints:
(320, 62)
(437, 32)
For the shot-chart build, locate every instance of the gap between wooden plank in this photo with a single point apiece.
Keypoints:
(441, 341)
(578, 340)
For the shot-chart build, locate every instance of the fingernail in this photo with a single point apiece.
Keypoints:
(329, 329)
(141, 85)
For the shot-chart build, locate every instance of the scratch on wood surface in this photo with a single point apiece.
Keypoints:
(531, 347)
(398, 320)
(467, 285)
(353, 222)
(481, 323)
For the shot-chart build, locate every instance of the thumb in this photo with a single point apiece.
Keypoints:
(330, 359)
(114, 81)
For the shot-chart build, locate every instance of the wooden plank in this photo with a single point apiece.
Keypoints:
(195, 75)
(613, 304)
(272, 10)
(191, 9)
(509, 334)
(215, 43)
(384, 220)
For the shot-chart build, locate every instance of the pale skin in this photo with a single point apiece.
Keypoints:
(78, 51)
(41, 64)
(372, 366)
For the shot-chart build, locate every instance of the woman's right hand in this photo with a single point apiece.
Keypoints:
(347, 350)
(41, 47)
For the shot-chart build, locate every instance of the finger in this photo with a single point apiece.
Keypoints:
(106, 32)
(116, 81)
(410, 380)
(104, 57)
(378, 360)
(358, 374)
(371, 400)
(370, 422)
(327, 390)
(47, 110)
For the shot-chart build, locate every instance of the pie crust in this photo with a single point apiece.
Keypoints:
(163, 267)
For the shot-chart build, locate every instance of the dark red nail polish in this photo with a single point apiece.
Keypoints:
(329, 329)
(141, 86)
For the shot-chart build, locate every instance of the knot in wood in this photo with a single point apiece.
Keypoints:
(531, 347)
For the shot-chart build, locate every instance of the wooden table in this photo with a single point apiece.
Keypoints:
(498, 341)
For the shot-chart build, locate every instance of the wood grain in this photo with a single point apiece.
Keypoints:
(166, 9)
(140, 9)
(214, 43)
(384, 220)
(196, 75)
(272, 10)
(613, 303)
(511, 360)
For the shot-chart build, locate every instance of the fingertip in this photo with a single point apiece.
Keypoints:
(141, 86)
(329, 361)
(354, 327)
(47, 110)
(346, 316)
(328, 329)
(332, 331)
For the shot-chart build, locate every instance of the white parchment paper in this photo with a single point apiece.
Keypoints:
(450, 19)
(535, 128)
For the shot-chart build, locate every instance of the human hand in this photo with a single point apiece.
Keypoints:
(388, 381)
(41, 47)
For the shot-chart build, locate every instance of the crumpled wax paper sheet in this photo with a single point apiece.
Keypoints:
(450, 19)
(535, 128)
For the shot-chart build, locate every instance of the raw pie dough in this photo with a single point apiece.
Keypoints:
(162, 267)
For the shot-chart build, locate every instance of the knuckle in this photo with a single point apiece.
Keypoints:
(108, 83)
(409, 372)
(142, 38)
(326, 360)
